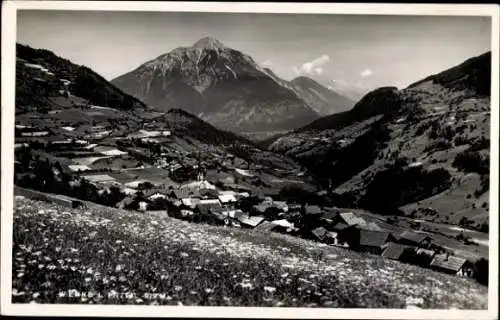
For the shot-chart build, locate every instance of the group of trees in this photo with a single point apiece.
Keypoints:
(299, 195)
(480, 271)
(339, 164)
(399, 185)
(472, 161)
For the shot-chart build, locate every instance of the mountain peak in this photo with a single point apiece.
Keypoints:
(209, 42)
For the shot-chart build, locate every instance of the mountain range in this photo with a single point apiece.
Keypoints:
(52, 93)
(228, 89)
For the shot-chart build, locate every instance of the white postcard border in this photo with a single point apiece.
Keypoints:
(8, 110)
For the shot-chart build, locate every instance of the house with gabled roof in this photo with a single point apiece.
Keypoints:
(319, 233)
(414, 239)
(451, 264)
(180, 194)
(239, 218)
(227, 199)
(349, 218)
(251, 221)
(206, 208)
(370, 241)
(396, 251)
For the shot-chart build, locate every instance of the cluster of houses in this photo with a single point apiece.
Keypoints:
(201, 202)
(348, 230)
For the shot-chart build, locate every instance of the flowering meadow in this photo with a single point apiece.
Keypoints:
(102, 255)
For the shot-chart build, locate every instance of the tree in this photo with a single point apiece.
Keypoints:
(480, 271)
(298, 195)
(472, 161)
(145, 185)
(484, 227)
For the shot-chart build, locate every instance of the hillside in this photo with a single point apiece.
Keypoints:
(103, 255)
(42, 77)
(185, 124)
(473, 75)
(222, 86)
(422, 151)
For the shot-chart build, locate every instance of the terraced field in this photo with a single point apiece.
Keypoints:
(102, 255)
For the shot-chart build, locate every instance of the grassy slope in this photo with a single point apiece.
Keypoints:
(116, 256)
(85, 83)
(456, 101)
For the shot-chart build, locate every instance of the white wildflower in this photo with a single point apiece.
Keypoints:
(269, 289)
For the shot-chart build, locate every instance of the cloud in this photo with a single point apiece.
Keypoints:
(366, 73)
(312, 67)
(267, 64)
(296, 70)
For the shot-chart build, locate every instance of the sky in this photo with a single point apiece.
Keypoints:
(353, 51)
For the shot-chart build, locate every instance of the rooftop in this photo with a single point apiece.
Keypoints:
(351, 219)
(395, 251)
(283, 223)
(413, 236)
(452, 263)
(320, 233)
(251, 221)
(372, 238)
(225, 198)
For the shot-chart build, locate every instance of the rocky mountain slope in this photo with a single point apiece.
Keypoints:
(422, 151)
(322, 100)
(220, 85)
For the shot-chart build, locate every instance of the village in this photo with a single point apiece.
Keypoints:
(144, 170)
(142, 162)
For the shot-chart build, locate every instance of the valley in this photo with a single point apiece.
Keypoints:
(203, 148)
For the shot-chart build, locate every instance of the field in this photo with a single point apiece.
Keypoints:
(101, 255)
